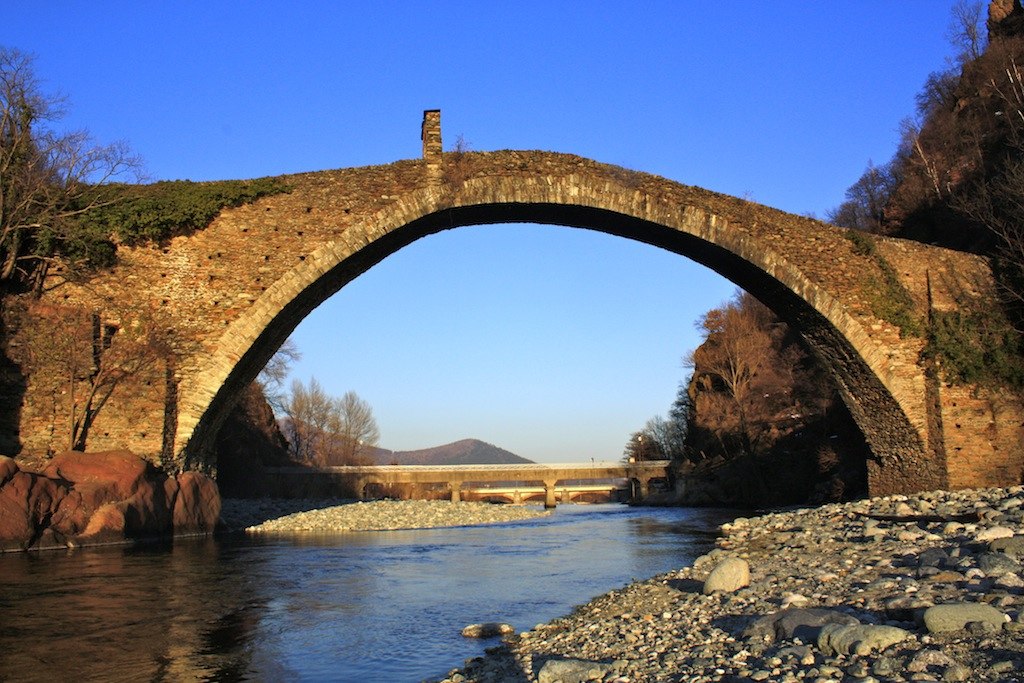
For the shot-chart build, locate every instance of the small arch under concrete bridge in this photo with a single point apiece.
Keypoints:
(231, 293)
(553, 476)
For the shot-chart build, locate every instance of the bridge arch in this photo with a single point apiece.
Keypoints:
(775, 256)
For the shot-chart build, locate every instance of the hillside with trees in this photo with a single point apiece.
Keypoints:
(758, 423)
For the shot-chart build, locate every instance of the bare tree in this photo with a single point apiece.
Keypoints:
(967, 31)
(81, 358)
(644, 445)
(309, 414)
(272, 376)
(747, 377)
(357, 429)
(324, 430)
(47, 178)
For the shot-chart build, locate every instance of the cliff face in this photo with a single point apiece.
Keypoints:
(249, 441)
(1005, 18)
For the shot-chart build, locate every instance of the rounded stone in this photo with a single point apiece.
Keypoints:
(956, 616)
(993, 533)
(728, 576)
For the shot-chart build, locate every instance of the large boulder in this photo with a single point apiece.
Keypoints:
(197, 504)
(955, 616)
(106, 497)
(858, 639)
(800, 622)
(27, 500)
(114, 496)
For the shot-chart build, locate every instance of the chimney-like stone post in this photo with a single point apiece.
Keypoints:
(430, 133)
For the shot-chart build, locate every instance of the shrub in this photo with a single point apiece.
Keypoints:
(888, 298)
(136, 214)
(980, 347)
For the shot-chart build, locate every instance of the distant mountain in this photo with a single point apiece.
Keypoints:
(465, 452)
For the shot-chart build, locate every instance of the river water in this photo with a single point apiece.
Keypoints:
(379, 606)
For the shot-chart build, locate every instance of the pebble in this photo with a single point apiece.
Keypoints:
(898, 599)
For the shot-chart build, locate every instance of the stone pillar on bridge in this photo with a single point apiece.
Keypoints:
(456, 491)
(430, 133)
(517, 497)
(549, 495)
(566, 497)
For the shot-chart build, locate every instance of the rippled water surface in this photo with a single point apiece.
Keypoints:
(382, 606)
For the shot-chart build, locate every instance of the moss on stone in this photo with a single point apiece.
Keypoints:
(137, 214)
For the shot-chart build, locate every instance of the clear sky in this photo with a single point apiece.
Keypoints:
(551, 342)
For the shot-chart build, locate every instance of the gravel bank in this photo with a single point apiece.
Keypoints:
(922, 588)
(325, 516)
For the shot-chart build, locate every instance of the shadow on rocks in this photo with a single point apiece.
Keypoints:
(498, 664)
(686, 585)
(735, 624)
(239, 513)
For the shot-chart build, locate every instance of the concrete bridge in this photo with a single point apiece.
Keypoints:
(554, 478)
(230, 294)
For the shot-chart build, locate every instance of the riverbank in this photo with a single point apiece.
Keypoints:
(270, 515)
(856, 582)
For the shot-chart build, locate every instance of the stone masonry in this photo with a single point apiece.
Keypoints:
(231, 293)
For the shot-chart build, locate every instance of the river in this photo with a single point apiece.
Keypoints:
(372, 606)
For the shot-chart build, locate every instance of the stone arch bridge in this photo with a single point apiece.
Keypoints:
(231, 293)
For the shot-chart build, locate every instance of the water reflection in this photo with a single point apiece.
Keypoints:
(154, 613)
(373, 606)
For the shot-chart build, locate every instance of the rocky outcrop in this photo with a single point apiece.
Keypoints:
(106, 497)
(1005, 18)
(248, 443)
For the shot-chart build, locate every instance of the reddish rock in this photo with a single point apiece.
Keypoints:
(111, 475)
(197, 507)
(108, 497)
(26, 503)
(148, 511)
(98, 479)
(8, 468)
(71, 515)
(106, 525)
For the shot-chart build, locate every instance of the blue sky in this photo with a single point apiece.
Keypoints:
(551, 342)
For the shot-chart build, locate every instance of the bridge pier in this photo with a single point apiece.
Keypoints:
(549, 495)
(517, 497)
(641, 489)
(566, 497)
(456, 491)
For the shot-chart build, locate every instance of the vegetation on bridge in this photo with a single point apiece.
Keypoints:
(956, 180)
(155, 212)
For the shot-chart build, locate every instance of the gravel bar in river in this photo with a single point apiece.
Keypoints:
(318, 516)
